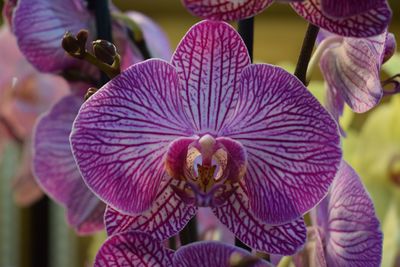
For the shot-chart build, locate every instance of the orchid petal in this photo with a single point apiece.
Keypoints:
(370, 23)
(209, 61)
(167, 216)
(226, 9)
(313, 254)
(291, 140)
(348, 8)
(351, 229)
(133, 249)
(40, 25)
(156, 40)
(56, 171)
(122, 133)
(211, 254)
(282, 239)
(352, 69)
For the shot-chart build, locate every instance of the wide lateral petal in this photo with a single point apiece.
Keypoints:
(209, 61)
(133, 249)
(226, 9)
(352, 234)
(122, 133)
(370, 23)
(39, 26)
(166, 217)
(352, 69)
(292, 142)
(284, 239)
(211, 254)
(56, 171)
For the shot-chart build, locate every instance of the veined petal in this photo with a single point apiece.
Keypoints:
(348, 8)
(226, 9)
(40, 25)
(122, 133)
(352, 234)
(56, 171)
(133, 249)
(85, 212)
(369, 23)
(209, 61)
(291, 140)
(352, 69)
(284, 239)
(166, 217)
(211, 254)
(313, 254)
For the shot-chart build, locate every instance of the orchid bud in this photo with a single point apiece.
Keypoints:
(82, 37)
(70, 44)
(90, 92)
(105, 51)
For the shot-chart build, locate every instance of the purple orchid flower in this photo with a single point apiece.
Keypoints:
(351, 67)
(208, 130)
(40, 25)
(56, 171)
(140, 249)
(346, 231)
(342, 17)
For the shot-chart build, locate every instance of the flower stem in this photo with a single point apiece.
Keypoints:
(189, 233)
(103, 24)
(306, 52)
(11, 131)
(246, 31)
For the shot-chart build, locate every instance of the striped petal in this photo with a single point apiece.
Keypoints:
(348, 8)
(212, 254)
(226, 9)
(351, 230)
(209, 61)
(372, 22)
(352, 71)
(56, 171)
(283, 239)
(291, 140)
(167, 216)
(122, 133)
(313, 253)
(133, 249)
(40, 25)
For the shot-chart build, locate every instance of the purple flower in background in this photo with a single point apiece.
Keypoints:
(346, 231)
(343, 17)
(162, 139)
(56, 171)
(351, 67)
(24, 95)
(40, 25)
(140, 249)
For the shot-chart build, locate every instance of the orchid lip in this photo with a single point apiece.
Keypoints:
(207, 168)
